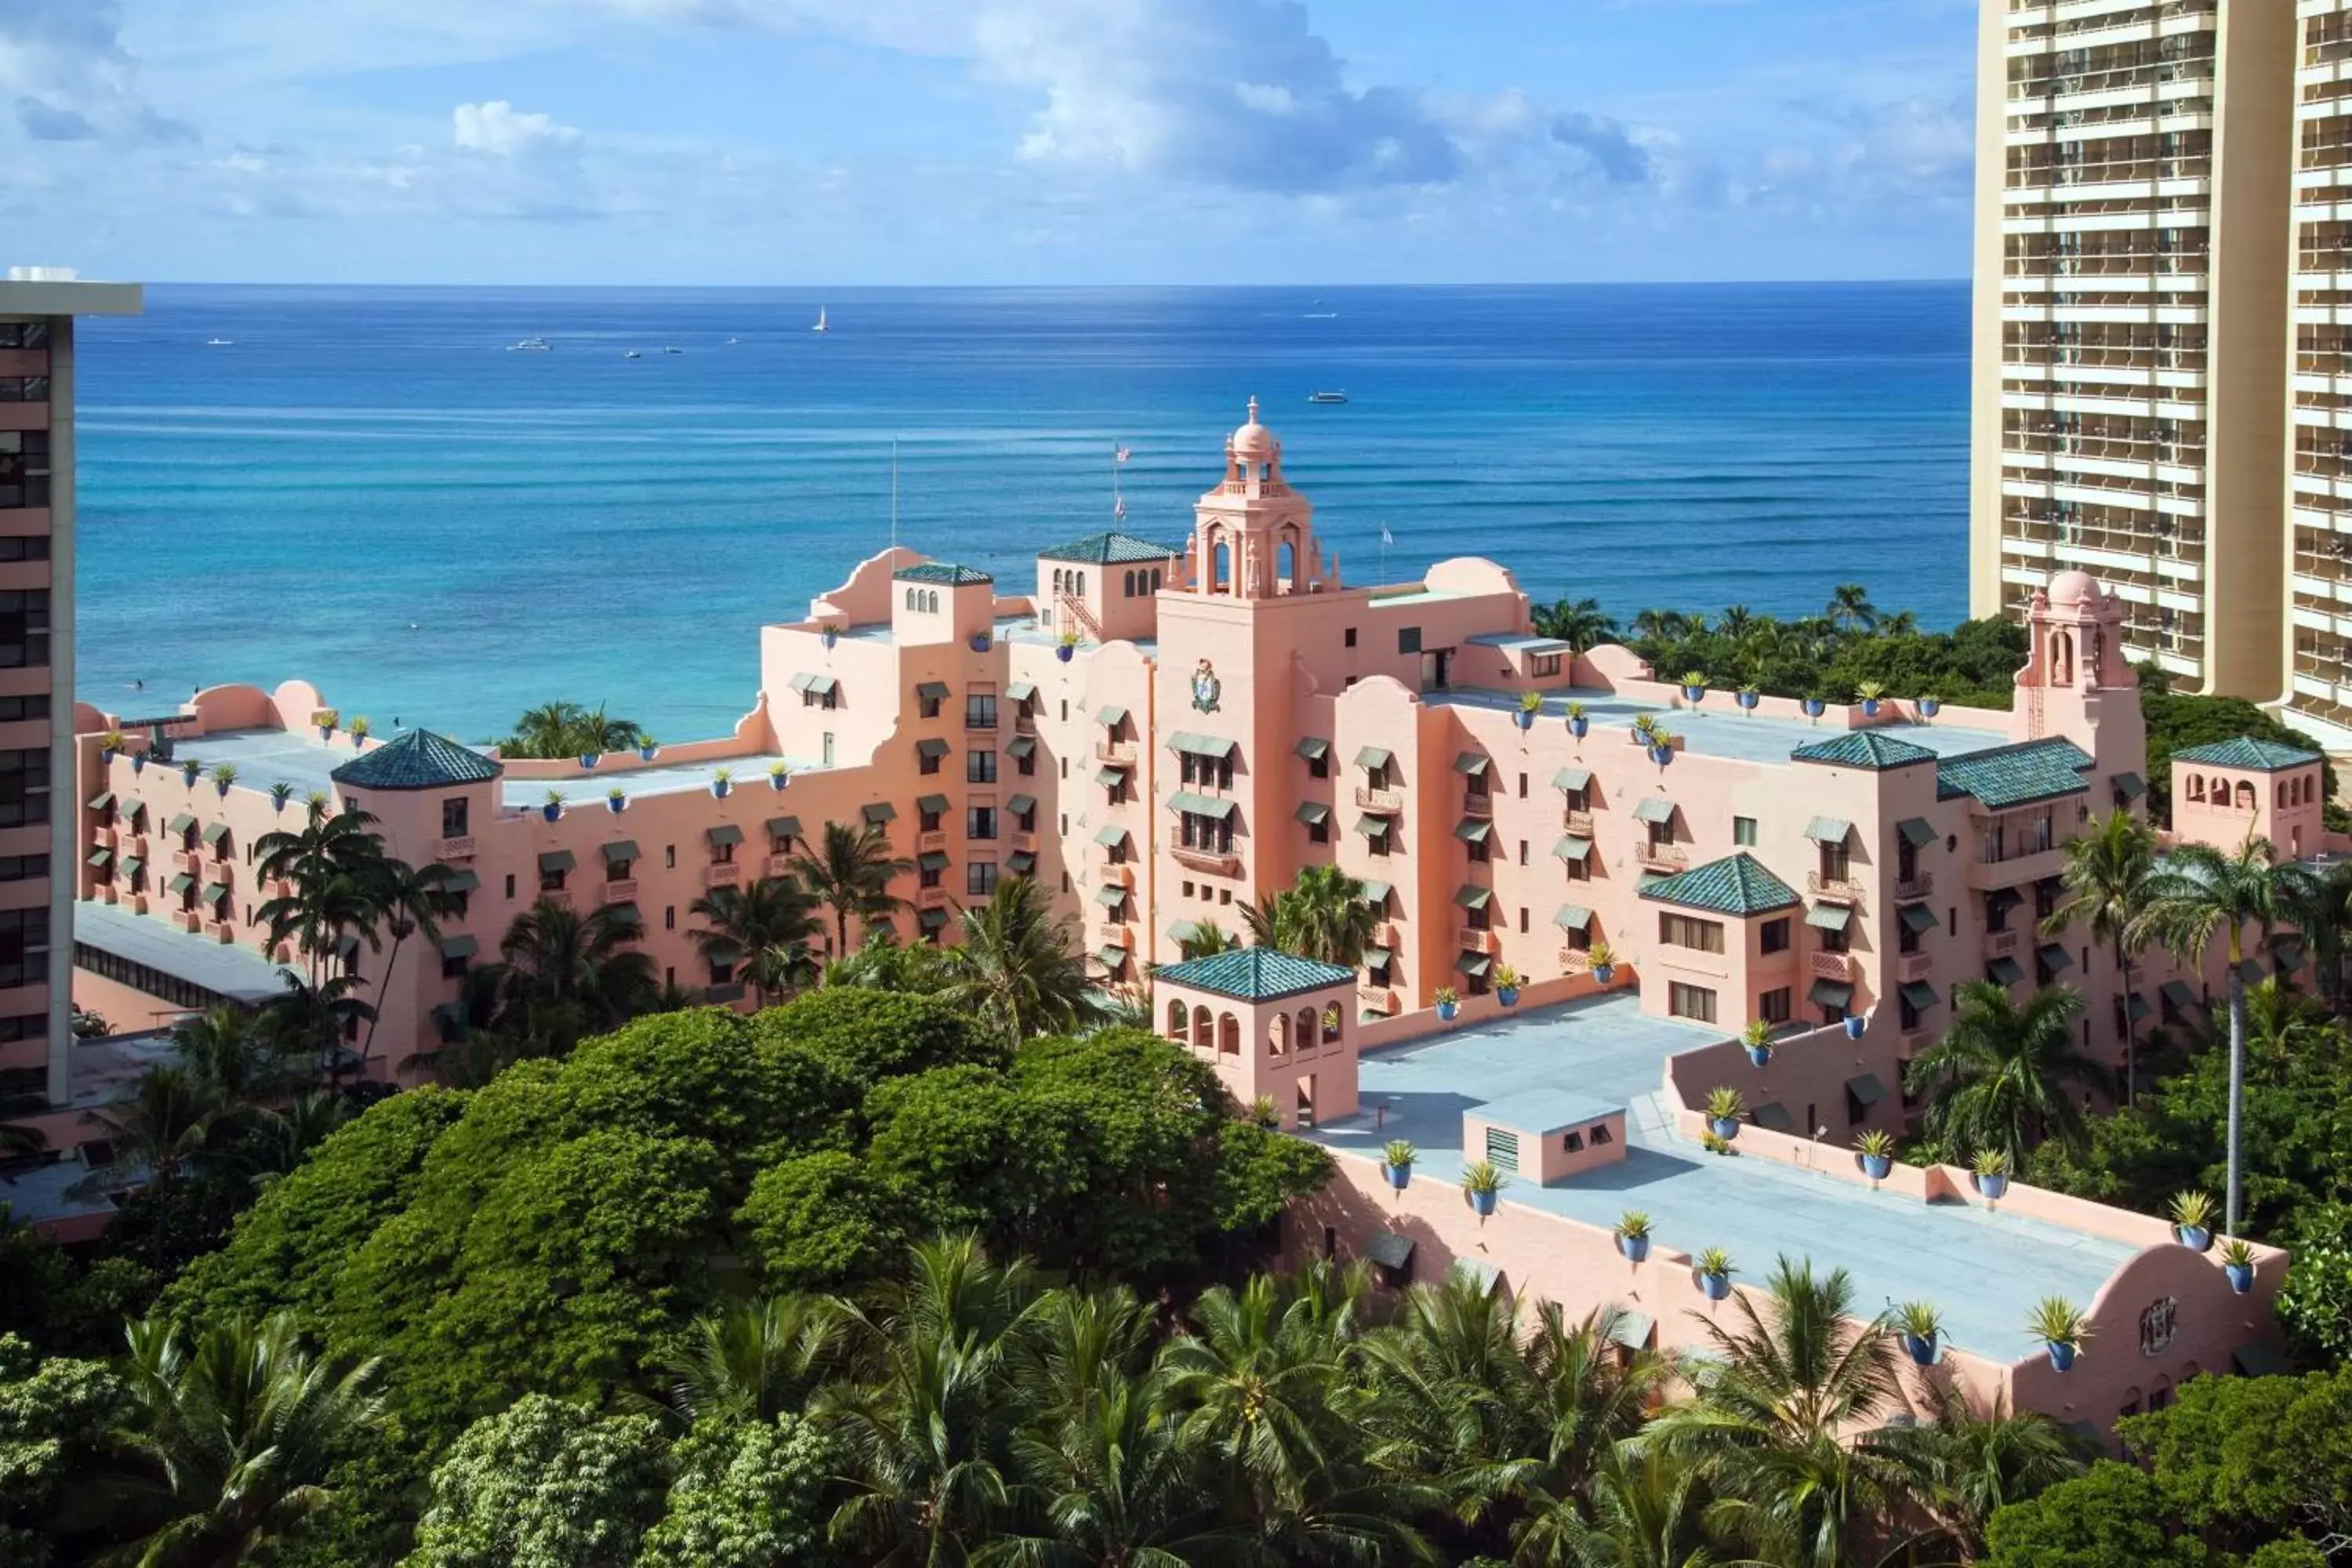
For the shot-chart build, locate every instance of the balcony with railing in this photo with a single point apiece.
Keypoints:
(1389, 802)
(1120, 874)
(1121, 753)
(1838, 966)
(1481, 805)
(1660, 855)
(1215, 862)
(723, 874)
(622, 891)
(1385, 934)
(459, 849)
(1843, 888)
(1381, 999)
(930, 843)
(1478, 939)
(930, 897)
(1910, 967)
(2002, 943)
(1920, 886)
(1578, 823)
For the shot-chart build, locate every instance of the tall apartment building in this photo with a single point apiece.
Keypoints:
(38, 307)
(2320, 611)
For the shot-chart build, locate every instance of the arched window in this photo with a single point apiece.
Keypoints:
(1331, 1023)
(2282, 793)
(1306, 1027)
(2196, 787)
(1155, 579)
(1078, 583)
(1204, 1028)
(1057, 579)
(1286, 566)
(1221, 572)
(935, 604)
(1277, 1034)
(1128, 592)
(1177, 1021)
(1229, 1035)
(2245, 795)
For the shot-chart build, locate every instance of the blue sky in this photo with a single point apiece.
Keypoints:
(984, 141)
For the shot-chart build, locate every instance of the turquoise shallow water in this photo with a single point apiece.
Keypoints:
(577, 523)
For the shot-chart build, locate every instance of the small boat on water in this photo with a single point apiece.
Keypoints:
(820, 326)
(1327, 398)
(220, 343)
(530, 345)
(730, 343)
(633, 354)
(672, 351)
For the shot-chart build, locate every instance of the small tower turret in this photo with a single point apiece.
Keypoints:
(1254, 536)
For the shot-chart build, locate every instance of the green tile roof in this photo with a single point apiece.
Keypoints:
(2245, 751)
(941, 573)
(1862, 749)
(1254, 973)
(1735, 885)
(417, 759)
(2014, 776)
(1109, 550)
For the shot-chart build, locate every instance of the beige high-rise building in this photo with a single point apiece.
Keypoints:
(2137, 182)
(2319, 573)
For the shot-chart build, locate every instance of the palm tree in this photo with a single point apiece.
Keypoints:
(1322, 916)
(882, 963)
(411, 901)
(334, 869)
(228, 1440)
(1850, 606)
(1582, 625)
(850, 872)
(1018, 969)
(765, 925)
(568, 730)
(2107, 876)
(1206, 939)
(1589, 1396)
(226, 1054)
(1999, 1078)
(1647, 1510)
(2323, 913)
(1737, 622)
(2202, 894)
(1963, 1467)
(564, 975)
(754, 1360)
(316, 1013)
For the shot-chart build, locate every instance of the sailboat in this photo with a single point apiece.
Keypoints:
(820, 326)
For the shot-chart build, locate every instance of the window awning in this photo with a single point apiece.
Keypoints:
(460, 947)
(1201, 745)
(1921, 994)
(1864, 1087)
(931, 920)
(2178, 993)
(1572, 849)
(931, 804)
(1374, 757)
(181, 823)
(1632, 1330)
(1916, 831)
(1021, 746)
(1111, 958)
(182, 881)
(557, 860)
(1312, 748)
(132, 865)
(102, 800)
(725, 834)
(100, 856)
(1655, 810)
(1831, 994)
(1376, 893)
(782, 827)
(932, 691)
(878, 812)
(1917, 917)
(815, 684)
(931, 746)
(1112, 717)
(1471, 764)
(1470, 896)
(1019, 692)
(2287, 948)
(1571, 917)
(1110, 895)
(2251, 972)
(1111, 837)
(2129, 786)
(1021, 804)
(620, 851)
(2138, 1006)
(1312, 811)
(215, 832)
(1373, 827)
(2004, 971)
(1474, 829)
(2000, 900)
(346, 944)
(1216, 806)
(1021, 862)
(2055, 956)
(1377, 958)
(1829, 830)
(1111, 775)
(1473, 963)
(1829, 916)
(1389, 1249)
(932, 859)
(213, 893)
(136, 810)
(2259, 1358)
(1572, 778)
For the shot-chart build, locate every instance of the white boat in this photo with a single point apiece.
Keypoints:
(633, 354)
(820, 326)
(731, 342)
(1327, 398)
(672, 351)
(534, 345)
(220, 343)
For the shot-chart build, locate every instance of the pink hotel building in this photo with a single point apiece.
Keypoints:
(1159, 734)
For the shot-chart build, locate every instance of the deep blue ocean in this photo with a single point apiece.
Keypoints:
(368, 487)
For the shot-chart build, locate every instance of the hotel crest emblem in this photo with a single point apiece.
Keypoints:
(1205, 687)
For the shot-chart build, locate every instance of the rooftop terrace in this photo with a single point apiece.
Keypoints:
(1983, 1270)
(1717, 731)
(228, 969)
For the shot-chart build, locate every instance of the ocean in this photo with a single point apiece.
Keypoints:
(369, 488)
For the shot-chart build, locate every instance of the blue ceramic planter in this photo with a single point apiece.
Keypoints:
(1876, 1166)
(550, 811)
(1922, 1348)
(2195, 1237)
(138, 763)
(1870, 708)
(648, 754)
(326, 731)
(1757, 1056)
(1991, 1188)
(1813, 706)
(980, 643)
(1481, 1203)
(1579, 725)
(1749, 699)
(1602, 973)
(1724, 1127)
(590, 759)
(1398, 1176)
(1066, 651)
(778, 781)
(1446, 1010)
(224, 789)
(829, 637)
(1661, 755)
(2062, 1356)
(1694, 693)
(1929, 708)
(1524, 719)
(1854, 1026)
(1634, 1247)
(1508, 995)
(1717, 1286)
(719, 788)
(616, 806)
(2241, 1275)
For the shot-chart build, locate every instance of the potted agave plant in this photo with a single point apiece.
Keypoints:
(1645, 726)
(648, 748)
(1480, 1183)
(1815, 704)
(1662, 747)
(588, 760)
(224, 775)
(1724, 1105)
(1748, 696)
(1265, 1112)
(1874, 1151)
(1507, 984)
(1396, 1162)
(189, 768)
(616, 800)
(279, 793)
(138, 764)
(1757, 1038)
(1922, 1328)
(980, 642)
(2061, 1327)
(1713, 1273)
(1694, 686)
(1854, 1025)
(1633, 1234)
(2193, 1220)
(109, 745)
(1603, 961)
(326, 719)
(1449, 1003)
(721, 781)
(1930, 706)
(1868, 693)
(1992, 1174)
(1577, 723)
(779, 774)
(360, 728)
(1530, 704)
(828, 634)
(552, 806)
(2238, 1263)
(1065, 645)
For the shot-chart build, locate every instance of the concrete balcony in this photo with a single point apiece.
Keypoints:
(2002, 943)
(1910, 967)
(926, 843)
(1385, 934)
(1918, 887)
(1117, 935)
(1579, 822)
(1472, 939)
(1575, 961)
(1838, 966)
(621, 892)
(1119, 751)
(1376, 999)
(1984, 876)
(930, 897)
(1911, 1042)
(778, 864)
(1022, 843)
(1838, 890)
(1389, 802)
(1480, 805)
(221, 932)
(454, 848)
(1667, 857)
(1119, 876)
(1216, 862)
(192, 861)
(108, 893)
(106, 837)
(189, 921)
(723, 874)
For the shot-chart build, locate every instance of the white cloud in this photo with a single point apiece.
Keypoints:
(502, 131)
(65, 74)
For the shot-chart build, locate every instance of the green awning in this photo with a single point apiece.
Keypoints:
(1313, 748)
(1111, 775)
(1376, 893)
(1865, 1087)
(931, 920)
(2251, 972)
(215, 832)
(1915, 831)
(1470, 896)
(1019, 746)
(1112, 837)
(2129, 786)
(1019, 692)
(2000, 900)
(1571, 917)
(1021, 862)
(1471, 764)
(1312, 811)
(460, 947)
(2260, 1358)
(2054, 957)
(2287, 948)
(1199, 745)
(931, 804)
(2004, 971)
(132, 865)
(180, 824)
(1378, 958)
(1372, 826)
(2138, 1006)
(1474, 962)
(725, 834)
(1773, 1117)
(1374, 758)
(1474, 830)
(779, 829)
(1829, 916)
(878, 812)
(102, 800)
(1111, 958)
(1921, 994)
(346, 944)
(625, 913)
(182, 881)
(1655, 810)
(2179, 994)
(1022, 805)
(1832, 994)
(932, 859)
(1917, 917)
(1112, 717)
(931, 746)
(1572, 849)
(1829, 830)
(136, 810)
(932, 691)
(1389, 1249)
(1210, 805)
(100, 858)
(556, 860)
(1571, 778)
(1110, 895)
(620, 851)
(816, 685)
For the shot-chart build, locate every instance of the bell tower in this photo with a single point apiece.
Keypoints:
(2076, 682)
(1254, 536)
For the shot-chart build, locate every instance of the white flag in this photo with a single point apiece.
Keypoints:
(1386, 537)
